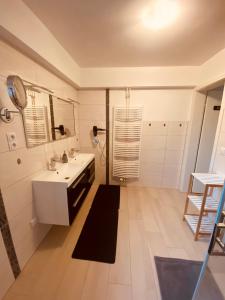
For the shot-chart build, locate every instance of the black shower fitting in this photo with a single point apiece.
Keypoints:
(61, 129)
(96, 129)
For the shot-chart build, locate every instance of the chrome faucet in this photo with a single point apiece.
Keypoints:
(53, 160)
(51, 165)
(71, 152)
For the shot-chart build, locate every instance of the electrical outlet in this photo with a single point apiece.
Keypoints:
(12, 142)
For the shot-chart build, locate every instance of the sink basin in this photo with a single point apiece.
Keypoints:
(66, 173)
(80, 159)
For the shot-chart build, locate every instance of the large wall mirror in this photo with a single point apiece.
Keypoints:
(37, 119)
(47, 118)
(62, 118)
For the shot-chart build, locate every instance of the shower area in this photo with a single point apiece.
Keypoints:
(147, 132)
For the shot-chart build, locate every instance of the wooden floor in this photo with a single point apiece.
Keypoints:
(150, 223)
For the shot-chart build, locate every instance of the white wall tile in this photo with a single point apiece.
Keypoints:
(153, 142)
(170, 182)
(92, 112)
(86, 132)
(25, 237)
(177, 128)
(154, 128)
(150, 155)
(162, 142)
(15, 180)
(173, 157)
(17, 196)
(32, 160)
(175, 142)
(88, 97)
(151, 167)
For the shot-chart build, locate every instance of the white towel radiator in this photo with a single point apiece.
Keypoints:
(127, 126)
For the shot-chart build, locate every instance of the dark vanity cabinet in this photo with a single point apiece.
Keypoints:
(58, 195)
(78, 190)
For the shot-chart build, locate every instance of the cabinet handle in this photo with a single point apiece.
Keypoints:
(80, 195)
(91, 178)
(91, 165)
(76, 183)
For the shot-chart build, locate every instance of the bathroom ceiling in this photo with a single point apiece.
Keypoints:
(106, 33)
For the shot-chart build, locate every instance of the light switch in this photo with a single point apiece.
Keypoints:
(12, 142)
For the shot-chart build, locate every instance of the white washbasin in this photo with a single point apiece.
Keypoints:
(68, 172)
(81, 159)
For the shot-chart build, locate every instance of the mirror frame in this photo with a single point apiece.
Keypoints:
(17, 91)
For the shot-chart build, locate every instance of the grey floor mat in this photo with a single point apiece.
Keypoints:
(178, 278)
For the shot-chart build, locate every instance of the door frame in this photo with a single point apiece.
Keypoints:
(194, 132)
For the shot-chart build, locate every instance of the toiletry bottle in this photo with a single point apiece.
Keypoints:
(64, 157)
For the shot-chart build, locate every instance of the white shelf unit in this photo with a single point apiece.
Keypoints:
(206, 226)
(211, 204)
(201, 223)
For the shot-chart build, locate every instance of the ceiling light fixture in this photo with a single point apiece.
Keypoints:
(160, 14)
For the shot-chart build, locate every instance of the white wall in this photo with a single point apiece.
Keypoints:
(15, 180)
(140, 77)
(92, 111)
(162, 147)
(213, 69)
(20, 22)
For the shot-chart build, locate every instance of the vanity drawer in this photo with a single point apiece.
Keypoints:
(78, 190)
(74, 209)
(73, 192)
(91, 168)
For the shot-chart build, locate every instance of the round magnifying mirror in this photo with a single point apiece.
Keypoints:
(17, 91)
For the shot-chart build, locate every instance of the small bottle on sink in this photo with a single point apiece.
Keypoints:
(64, 157)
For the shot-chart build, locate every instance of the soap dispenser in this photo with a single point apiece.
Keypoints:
(64, 157)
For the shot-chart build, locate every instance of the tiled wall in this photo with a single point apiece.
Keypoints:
(162, 153)
(162, 146)
(15, 179)
(92, 111)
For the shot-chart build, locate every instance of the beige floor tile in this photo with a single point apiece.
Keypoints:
(72, 284)
(96, 284)
(141, 269)
(119, 292)
(178, 253)
(150, 224)
(120, 271)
